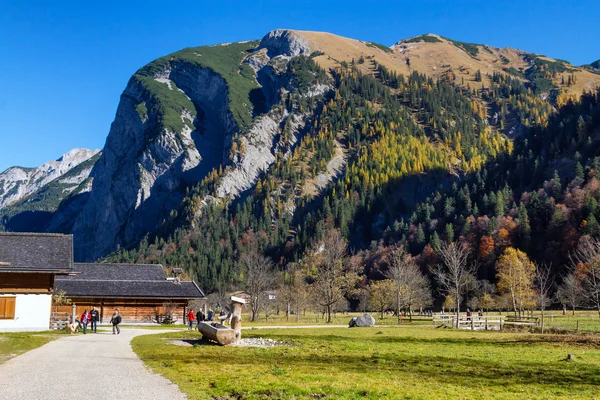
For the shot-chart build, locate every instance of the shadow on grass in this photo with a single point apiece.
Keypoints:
(336, 355)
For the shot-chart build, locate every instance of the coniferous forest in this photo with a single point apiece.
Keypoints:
(423, 162)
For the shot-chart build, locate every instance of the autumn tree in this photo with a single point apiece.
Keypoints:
(516, 274)
(258, 278)
(293, 292)
(455, 274)
(586, 258)
(332, 275)
(412, 287)
(381, 295)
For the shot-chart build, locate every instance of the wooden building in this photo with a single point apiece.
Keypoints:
(141, 292)
(29, 265)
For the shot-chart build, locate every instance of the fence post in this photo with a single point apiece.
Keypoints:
(472, 323)
(486, 323)
(501, 323)
(577, 326)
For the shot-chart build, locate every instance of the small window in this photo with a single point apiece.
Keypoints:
(7, 307)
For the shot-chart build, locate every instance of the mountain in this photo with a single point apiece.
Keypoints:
(299, 131)
(47, 188)
(18, 182)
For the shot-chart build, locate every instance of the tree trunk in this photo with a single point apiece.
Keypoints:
(543, 320)
(398, 309)
(457, 304)
(328, 313)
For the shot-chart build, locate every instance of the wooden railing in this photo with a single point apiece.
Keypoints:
(474, 322)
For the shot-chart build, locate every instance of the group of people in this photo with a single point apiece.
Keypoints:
(201, 317)
(92, 317)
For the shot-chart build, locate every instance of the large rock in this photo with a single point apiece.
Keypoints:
(365, 320)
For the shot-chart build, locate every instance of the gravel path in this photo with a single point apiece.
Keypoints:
(95, 366)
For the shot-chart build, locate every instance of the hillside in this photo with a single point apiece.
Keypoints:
(274, 142)
(454, 61)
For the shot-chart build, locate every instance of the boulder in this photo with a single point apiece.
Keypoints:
(364, 320)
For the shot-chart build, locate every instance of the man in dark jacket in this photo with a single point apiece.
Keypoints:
(115, 321)
(94, 318)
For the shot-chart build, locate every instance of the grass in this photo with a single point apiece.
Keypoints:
(225, 60)
(14, 344)
(381, 363)
(380, 47)
(423, 38)
(311, 318)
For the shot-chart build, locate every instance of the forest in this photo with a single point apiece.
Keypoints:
(496, 170)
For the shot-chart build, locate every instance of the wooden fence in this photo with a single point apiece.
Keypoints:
(59, 320)
(473, 322)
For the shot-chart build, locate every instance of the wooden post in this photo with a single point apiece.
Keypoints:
(501, 323)
(73, 313)
(472, 323)
(236, 316)
(486, 323)
(577, 326)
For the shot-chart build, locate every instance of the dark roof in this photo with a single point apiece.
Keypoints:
(140, 281)
(119, 272)
(36, 252)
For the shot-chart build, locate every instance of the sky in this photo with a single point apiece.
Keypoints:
(64, 65)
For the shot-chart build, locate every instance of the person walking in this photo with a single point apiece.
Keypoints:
(94, 318)
(115, 320)
(191, 318)
(85, 319)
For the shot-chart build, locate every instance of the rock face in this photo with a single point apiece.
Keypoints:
(17, 182)
(142, 173)
(151, 157)
(285, 42)
(365, 320)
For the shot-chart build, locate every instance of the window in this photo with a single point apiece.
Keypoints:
(7, 307)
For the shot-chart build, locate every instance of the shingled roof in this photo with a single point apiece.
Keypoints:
(140, 281)
(36, 252)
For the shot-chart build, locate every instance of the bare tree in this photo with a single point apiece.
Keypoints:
(544, 282)
(332, 274)
(586, 261)
(259, 277)
(569, 293)
(413, 288)
(455, 275)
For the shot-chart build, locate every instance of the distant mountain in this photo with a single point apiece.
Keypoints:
(28, 193)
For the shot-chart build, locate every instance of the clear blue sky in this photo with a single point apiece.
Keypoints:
(64, 67)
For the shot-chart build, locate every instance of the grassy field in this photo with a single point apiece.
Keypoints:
(13, 344)
(409, 362)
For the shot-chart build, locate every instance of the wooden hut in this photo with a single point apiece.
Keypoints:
(141, 292)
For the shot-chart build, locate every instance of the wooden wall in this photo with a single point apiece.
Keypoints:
(130, 310)
(26, 283)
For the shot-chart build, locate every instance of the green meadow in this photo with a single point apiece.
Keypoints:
(383, 362)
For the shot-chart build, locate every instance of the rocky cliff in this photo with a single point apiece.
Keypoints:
(18, 182)
(176, 122)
